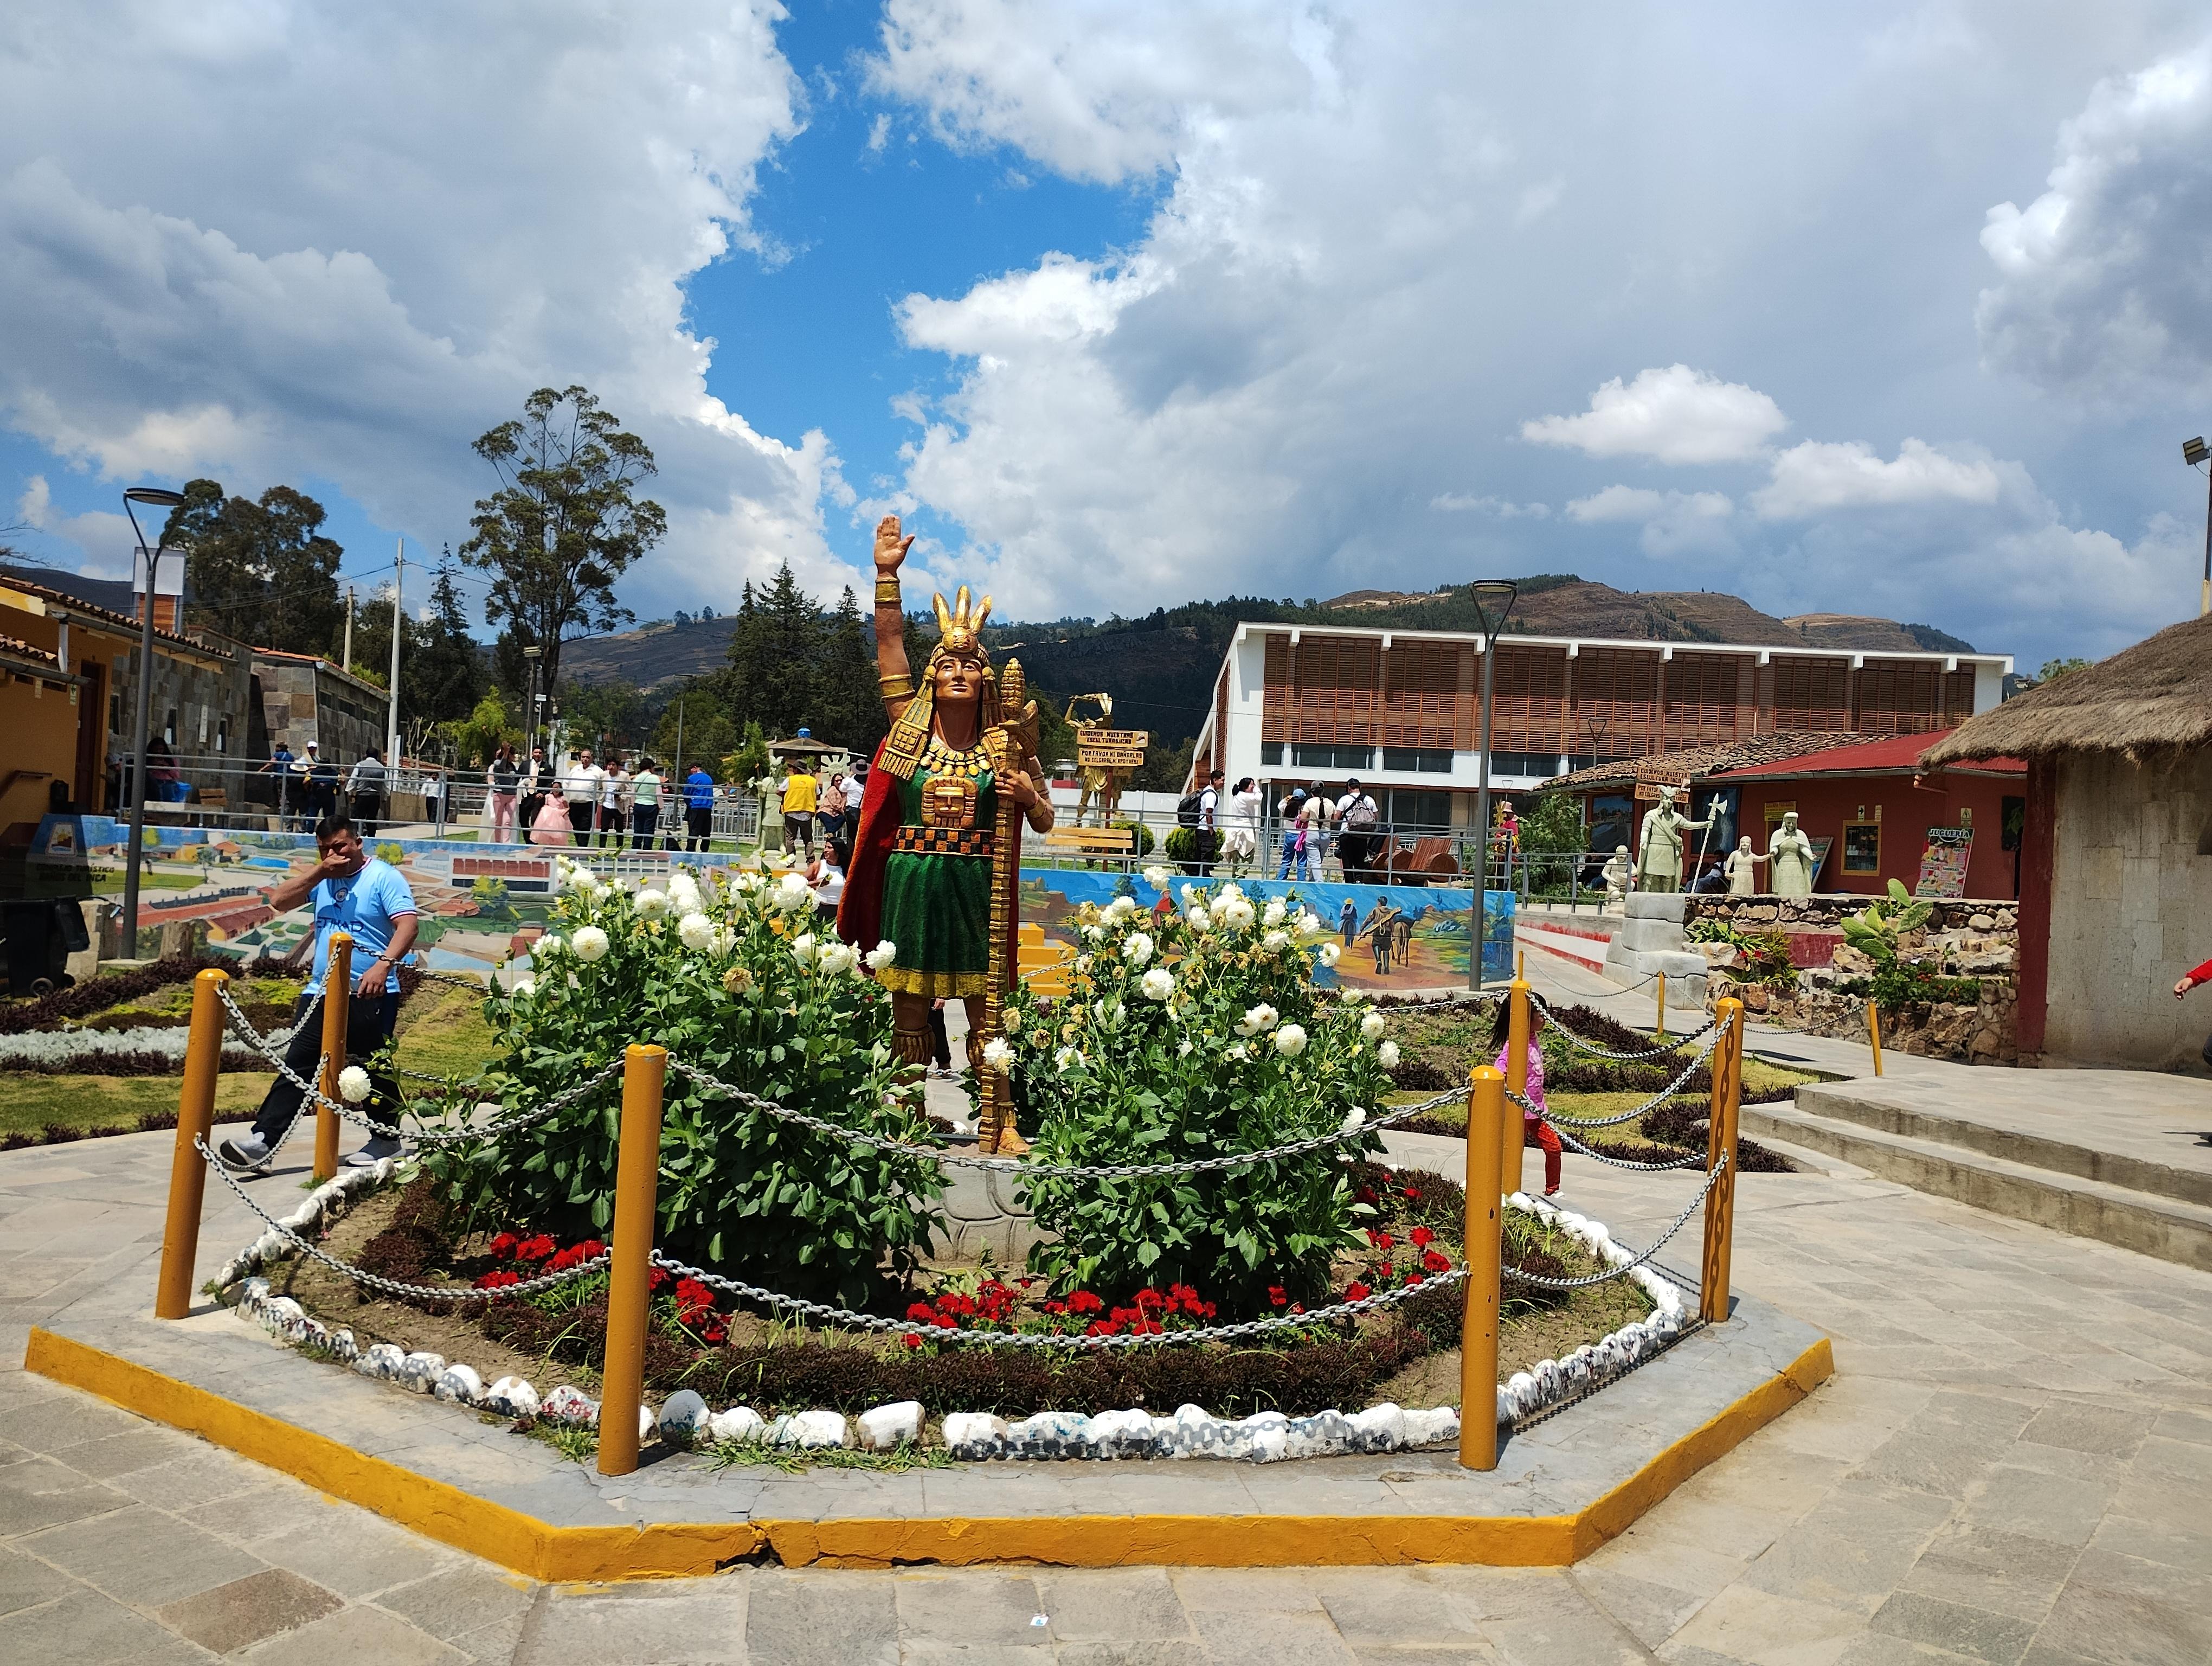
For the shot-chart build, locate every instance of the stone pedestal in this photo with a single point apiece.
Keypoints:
(1651, 941)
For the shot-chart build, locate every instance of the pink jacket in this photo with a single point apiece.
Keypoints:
(1534, 1094)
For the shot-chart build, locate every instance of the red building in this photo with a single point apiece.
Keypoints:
(1876, 810)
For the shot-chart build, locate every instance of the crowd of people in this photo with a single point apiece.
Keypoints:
(578, 800)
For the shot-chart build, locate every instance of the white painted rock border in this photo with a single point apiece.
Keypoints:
(1192, 1432)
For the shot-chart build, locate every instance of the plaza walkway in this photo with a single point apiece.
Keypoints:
(2013, 1464)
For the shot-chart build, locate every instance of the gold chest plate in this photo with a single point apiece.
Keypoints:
(948, 801)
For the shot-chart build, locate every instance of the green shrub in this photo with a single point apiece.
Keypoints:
(1181, 845)
(1904, 984)
(1875, 933)
(736, 984)
(1193, 1035)
(1144, 844)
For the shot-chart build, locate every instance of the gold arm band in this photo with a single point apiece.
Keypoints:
(887, 588)
(895, 688)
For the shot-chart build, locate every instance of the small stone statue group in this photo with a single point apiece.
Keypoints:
(1658, 865)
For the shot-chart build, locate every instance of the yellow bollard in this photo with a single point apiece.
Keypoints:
(1478, 1352)
(637, 1180)
(1661, 1033)
(1874, 1036)
(1510, 1138)
(180, 1233)
(338, 1007)
(1720, 1137)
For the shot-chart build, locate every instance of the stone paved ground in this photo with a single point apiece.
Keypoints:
(2014, 1463)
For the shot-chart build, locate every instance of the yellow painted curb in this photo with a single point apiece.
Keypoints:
(671, 1550)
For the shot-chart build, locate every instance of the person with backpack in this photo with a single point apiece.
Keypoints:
(1361, 818)
(1292, 810)
(1201, 812)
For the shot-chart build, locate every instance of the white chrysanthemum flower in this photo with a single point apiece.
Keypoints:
(1182, 1047)
(684, 890)
(695, 931)
(1199, 920)
(589, 943)
(998, 1055)
(1159, 878)
(1066, 1059)
(1187, 893)
(624, 883)
(547, 948)
(1277, 909)
(1231, 892)
(1094, 934)
(1331, 953)
(1387, 1056)
(1234, 912)
(1120, 908)
(885, 953)
(1275, 942)
(724, 939)
(353, 1084)
(652, 904)
(1082, 962)
(1371, 1026)
(1138, 949)
(1309, 925)
(1353, 997)
(793, 893)
(835, 958)
(745, 882)
(1239, 1052)
(1354, 1120)
(1011, 1021)
(1256, 1018)
(802, 948)
(524, 988)
(1291, 1041)
(1157, 984)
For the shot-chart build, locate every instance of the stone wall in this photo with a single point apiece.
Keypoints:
(2130, 912)
(1967, 938)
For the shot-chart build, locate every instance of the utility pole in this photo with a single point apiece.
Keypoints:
(398, 572)
(348, 661)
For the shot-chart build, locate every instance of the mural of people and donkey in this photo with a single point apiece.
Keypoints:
(482, 904)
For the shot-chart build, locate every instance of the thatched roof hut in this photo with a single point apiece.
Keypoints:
(2153, 701)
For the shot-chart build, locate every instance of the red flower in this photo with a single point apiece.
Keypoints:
(913, 1340)
(1082, 1301)
(1151, 1298)
(504, 1242)
(1103, 1327)
(537, 1248)
(1422, 1238)
(1414, 1278)
(498, 1280)
(945, 1321)
(920, 1312)
(1276, 1295)
(715, 1335)
(1437, 1262)
(1413, 1194)
(1054, 1307)
(1365, 1195)
(1297, 1307)
(657, 1277)
(1379, 1240)
(1356, 1292)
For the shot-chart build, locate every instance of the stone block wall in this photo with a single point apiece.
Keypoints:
(1965, 939)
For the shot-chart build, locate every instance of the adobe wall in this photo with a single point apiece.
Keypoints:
(2130, 912)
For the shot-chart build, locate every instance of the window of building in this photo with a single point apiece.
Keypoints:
(1427, 760)
(1410, 810)
(1271, 752)
(1333, 758)
(1543, 765)
(1862, 847)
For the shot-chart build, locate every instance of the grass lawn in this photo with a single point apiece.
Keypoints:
(442, 1030)
(28, 1102)
(1758, 1076)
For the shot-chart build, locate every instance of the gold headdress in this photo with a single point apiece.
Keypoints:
(959, 632)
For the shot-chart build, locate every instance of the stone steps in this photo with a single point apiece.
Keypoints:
(2043, 1181)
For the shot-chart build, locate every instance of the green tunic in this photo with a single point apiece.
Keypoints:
(937, 906)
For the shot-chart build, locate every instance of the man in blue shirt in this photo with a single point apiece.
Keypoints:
(698, 807)
(365, 896)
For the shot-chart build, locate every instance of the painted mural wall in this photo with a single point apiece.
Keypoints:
(482, 904)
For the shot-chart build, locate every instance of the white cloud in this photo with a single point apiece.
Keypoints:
(1820, 475)
(318, 245)
(1674, 523)
(2104, 281)
(1674, 415)
(97, 544)
(1503, 508)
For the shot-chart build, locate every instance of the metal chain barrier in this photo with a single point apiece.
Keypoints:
(1063, 1170)
(1712, 1178)
(378, 1281)
(1052, 1340)
(1687, 1159)
(1559, 1200)
(521, 1119)
(1652, 1104)
(1608, 1054)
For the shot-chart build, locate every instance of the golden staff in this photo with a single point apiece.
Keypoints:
(1011, 743)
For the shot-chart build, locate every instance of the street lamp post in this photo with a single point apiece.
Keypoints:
(1493, 604)
(153, 497)
(530, 713)
(2194, 453)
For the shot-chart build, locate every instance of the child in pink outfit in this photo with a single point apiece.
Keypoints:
(1535, 1131)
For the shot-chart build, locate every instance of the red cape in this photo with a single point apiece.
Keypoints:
(860, 912)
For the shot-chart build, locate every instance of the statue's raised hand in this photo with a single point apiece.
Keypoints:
(890, 548)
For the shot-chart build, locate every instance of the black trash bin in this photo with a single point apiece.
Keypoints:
(42, 933)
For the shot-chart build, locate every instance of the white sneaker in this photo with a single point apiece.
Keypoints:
(379, 1148)
(246, 1156)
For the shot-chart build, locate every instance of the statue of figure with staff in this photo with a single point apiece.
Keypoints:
(936, 863)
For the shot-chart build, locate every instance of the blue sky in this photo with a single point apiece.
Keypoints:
(1896, 309)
